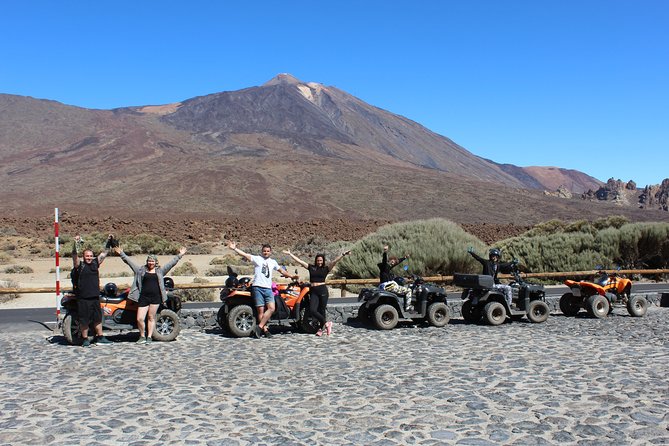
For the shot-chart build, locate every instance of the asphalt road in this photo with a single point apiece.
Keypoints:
(32, 319)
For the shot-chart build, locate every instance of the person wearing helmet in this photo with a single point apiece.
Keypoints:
(387, 280)
(491, 267)
(148, 289)
(86, 282)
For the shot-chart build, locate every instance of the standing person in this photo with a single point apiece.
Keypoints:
(387, 278)
(86, 281)
(261, 288)
(148, 290)
(318, 300)
(491, 267)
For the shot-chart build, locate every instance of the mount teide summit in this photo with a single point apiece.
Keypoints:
(283, 150)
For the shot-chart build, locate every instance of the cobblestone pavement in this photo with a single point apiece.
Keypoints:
(569, 380)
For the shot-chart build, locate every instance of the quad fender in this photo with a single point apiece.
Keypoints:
(592, 288)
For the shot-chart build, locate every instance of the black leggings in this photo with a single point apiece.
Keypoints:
(318, 303)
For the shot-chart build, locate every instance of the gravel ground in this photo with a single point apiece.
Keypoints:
(569, 380)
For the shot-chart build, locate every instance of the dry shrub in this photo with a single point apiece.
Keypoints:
(185, 269)
(18, 269)
(8, 284)
(197, 295)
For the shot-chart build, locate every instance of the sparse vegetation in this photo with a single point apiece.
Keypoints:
(121, 274)
(18, 269)
(225, 260)
(5, 258)
(197, 295)
(185, 269)
(217, 271)
(8, 284)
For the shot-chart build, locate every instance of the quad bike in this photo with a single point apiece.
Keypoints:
(482, 301)
(238, 314)
(599, 297)
(385, 308)
(120, 313)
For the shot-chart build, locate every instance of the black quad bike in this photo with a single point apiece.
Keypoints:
(238, 314)
(386, 309)
(482, 302)
(120, 313)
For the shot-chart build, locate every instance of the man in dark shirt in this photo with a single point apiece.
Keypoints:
(86, 281)
(491, 267)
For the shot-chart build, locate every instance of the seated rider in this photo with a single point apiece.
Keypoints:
(387, 278)
(491, 267)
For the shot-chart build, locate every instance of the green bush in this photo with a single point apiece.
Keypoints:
(435, 246)
(632, 245)
(185, 269)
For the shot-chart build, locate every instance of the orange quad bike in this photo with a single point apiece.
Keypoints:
(120, 313)
(238, 314)
(599, 297)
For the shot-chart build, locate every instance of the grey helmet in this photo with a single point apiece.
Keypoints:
(494, 252)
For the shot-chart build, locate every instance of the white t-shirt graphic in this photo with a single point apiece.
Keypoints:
(262, 275)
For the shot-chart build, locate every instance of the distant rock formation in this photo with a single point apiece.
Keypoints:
(619, 192)
(561, 192)
(655, 196)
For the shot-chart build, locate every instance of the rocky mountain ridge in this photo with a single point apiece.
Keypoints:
(286, 150)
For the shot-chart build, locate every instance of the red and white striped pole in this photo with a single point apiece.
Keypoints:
(55, 228)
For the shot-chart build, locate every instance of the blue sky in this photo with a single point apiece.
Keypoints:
(575, 84)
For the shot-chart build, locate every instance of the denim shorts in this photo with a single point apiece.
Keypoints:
(262, 296)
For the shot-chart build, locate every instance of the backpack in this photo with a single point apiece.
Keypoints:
(281, 309)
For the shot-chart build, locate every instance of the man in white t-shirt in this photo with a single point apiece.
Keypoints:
(261, 290)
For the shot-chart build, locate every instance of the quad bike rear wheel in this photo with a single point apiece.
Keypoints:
(438, 314)
(385, 317)
(71, 329)
(241, 321)
(495, 313)
(637, 306)
(470, 313)
(168, 326)
(569, 304)
(597, 306)
(538, 311)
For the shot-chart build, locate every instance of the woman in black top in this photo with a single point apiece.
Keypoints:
(318, 301)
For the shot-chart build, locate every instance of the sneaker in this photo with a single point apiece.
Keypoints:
(101, 340)
(141, 340)
(148, 340)
(256, 332)
(86, 343)
(267, 333)
(319, 333)
(328, 328)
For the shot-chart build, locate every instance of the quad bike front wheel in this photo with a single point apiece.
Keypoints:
(241, 321)
(597, 306)
(438, 314)
(363, 314)
(168, 326)
(385, 317)
(71, 329)
(569, 304)
(538, 311)
(470, 313)
(221, 319)
(637, 306)
(495, 313)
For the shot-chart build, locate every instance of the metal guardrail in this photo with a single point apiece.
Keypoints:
(342, 283)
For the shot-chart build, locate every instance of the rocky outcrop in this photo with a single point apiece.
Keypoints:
(616, 191)
(561, 192)
(655, 196)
